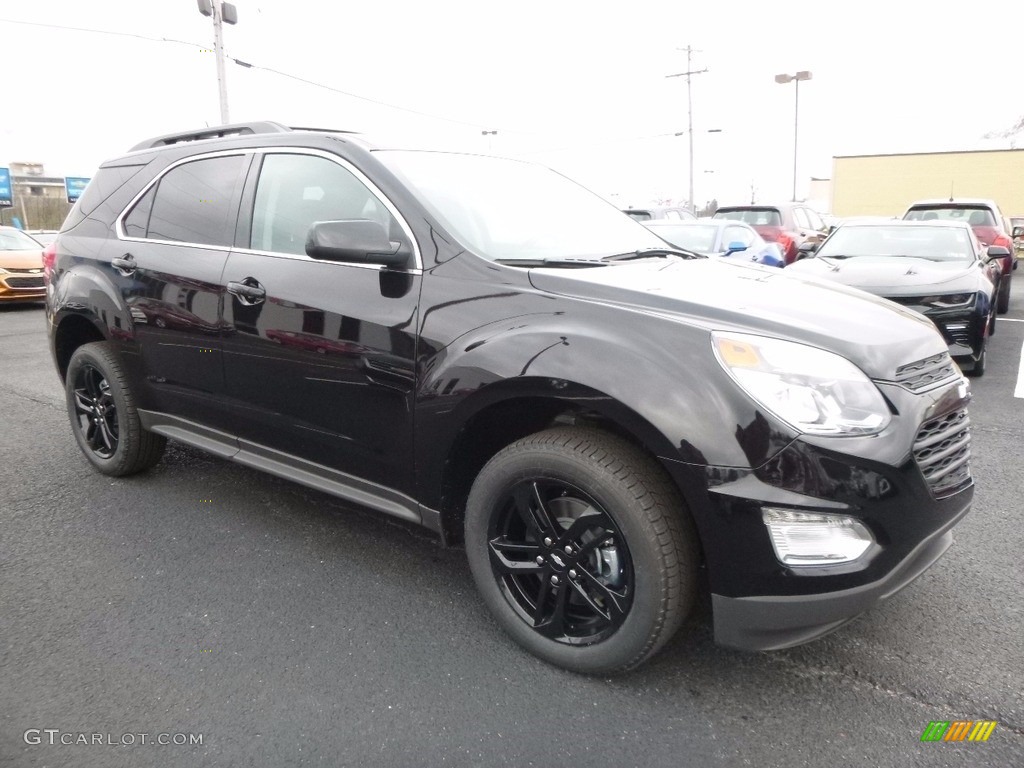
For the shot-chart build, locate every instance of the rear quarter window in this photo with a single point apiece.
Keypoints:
(107, 181)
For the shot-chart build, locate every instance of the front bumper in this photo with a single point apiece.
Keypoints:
(17, 286)
(770, 623)
(909, 486)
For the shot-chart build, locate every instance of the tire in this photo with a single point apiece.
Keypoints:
(1003, 300)
(979, 365)
(629, 576)
(104, 419)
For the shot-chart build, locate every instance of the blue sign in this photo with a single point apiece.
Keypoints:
(6, 196)
(75, 186)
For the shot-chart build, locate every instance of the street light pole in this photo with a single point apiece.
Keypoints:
(222, 13)
(489, 134)
(689, 112)
(689, 132)
(782, 79)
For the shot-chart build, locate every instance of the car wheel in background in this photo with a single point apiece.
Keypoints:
(1003, 301)
(582, 549)
(104, 419)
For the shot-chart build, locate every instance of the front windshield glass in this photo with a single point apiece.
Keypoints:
(692, 237)
(934, 243)
(513, 211)
(16, 240)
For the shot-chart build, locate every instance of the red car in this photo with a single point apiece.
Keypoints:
(788, 224)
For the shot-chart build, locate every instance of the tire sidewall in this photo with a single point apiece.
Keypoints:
(627, 645)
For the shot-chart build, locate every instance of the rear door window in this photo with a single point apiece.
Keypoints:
(193, 202)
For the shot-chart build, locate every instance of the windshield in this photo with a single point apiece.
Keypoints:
(513, 211)
(756, 217)
(936, 243)
(16, 240)
(692, 237)
(976, 216)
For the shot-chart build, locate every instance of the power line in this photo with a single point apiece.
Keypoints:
(104, 32)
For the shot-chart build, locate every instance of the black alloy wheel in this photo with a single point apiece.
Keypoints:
(103, 413)
(561, 561)
(95, 411)
(582, 548)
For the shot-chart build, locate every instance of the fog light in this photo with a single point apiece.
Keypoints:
(811, 538)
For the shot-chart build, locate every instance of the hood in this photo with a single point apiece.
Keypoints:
(31, 259)
(893, 276)
(873, 333)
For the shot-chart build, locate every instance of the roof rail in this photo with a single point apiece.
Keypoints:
(237, 129)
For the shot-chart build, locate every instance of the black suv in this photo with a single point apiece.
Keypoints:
(608, 424)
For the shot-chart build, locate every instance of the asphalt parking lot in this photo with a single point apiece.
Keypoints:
(285, 628)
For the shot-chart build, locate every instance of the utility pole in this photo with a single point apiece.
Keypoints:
(222, 13)
(689, 109)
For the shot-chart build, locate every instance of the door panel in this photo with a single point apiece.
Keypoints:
(322, 368)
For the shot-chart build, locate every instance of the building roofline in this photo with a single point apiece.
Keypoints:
(916, 154)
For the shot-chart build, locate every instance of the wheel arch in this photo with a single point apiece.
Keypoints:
(72, 331)
(503, 413)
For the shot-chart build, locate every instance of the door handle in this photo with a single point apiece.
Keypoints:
(248, 291)
(125, 264)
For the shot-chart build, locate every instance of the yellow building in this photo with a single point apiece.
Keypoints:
(884, 185)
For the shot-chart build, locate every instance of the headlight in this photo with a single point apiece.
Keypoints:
(810, 538)
(810, 389)
(949, 300)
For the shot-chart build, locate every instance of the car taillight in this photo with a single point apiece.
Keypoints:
(49, 257)
(788, 245)
(1003, 240)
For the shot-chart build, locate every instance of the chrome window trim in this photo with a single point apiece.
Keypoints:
(362, 177)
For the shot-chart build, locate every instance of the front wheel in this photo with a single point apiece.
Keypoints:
(580, 547)
(1003, 301)
(104, 418)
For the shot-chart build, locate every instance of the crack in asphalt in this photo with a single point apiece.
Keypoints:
(801, 669)
(55, 404)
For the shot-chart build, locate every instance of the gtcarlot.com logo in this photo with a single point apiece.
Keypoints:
(57, 737)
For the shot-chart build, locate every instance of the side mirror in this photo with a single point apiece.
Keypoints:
(805, 250)
(998, 252)
(360, 241)
(1018, 232)
(736, 246)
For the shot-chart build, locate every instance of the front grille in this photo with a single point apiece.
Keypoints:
(32, 271)
(25, 282)
(942, 451)
(923, 374)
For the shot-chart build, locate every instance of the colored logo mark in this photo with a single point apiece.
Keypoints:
(958, 730)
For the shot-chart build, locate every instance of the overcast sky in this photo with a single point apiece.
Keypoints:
(578, 86)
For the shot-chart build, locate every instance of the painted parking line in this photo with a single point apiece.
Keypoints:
(1019, 391)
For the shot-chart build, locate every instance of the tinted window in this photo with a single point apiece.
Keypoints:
(294, 191)
(193, 202)
(137, 222)
(753, 216)
(975, 216)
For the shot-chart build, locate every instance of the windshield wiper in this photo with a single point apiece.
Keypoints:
(647, 253)
(552, 262)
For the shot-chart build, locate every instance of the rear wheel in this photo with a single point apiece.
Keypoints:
(581, 548)
(103, 415)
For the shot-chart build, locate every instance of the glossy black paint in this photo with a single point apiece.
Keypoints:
(410, 379)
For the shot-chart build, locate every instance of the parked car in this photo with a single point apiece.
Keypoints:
(21, 267)
(657, 213)
(937, 268)
(42, 236)
(788, 224)
(608, 424)
(718, 237)
(1017, 231)
(989, 225)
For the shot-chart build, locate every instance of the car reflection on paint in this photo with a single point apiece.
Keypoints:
(311, 342)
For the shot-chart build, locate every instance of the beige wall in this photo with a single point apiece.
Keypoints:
(884, 185)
